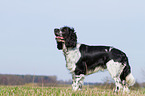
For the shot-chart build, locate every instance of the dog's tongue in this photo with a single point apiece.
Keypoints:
(58, 37)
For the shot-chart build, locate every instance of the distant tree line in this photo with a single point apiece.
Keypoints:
(6, 79)
(25, 79)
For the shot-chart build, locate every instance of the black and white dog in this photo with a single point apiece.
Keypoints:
(83, 60)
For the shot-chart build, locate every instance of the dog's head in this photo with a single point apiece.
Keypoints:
(67, 36)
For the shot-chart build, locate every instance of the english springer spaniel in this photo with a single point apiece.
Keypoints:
(83, 60)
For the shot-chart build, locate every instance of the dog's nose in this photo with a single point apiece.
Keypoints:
(56, 32)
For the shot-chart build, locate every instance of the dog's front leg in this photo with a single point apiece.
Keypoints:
(77, 81)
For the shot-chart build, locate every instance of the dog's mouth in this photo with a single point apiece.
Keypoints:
(59, 38)
(58, 35)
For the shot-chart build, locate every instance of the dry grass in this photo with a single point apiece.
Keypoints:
(62, 91)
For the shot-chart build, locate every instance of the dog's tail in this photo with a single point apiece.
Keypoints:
(130, 79)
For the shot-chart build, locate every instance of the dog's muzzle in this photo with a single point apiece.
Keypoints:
(58, 35)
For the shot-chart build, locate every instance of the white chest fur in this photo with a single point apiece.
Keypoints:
(72, 56)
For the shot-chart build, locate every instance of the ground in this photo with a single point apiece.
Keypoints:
(63, 91)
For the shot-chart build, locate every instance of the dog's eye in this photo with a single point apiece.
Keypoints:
(63, 32)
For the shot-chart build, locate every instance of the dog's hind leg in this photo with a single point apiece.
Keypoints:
(118, 84)
(129, 81)
(77, 81)
(115, 69)
(125, 87)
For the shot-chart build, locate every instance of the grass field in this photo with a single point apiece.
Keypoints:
(62, 91)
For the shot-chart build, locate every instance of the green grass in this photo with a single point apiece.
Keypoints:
(62, 91)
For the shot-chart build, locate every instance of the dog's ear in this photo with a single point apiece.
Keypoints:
(59, 45)
(71, 39)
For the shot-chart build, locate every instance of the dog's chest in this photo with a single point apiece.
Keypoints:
(72, 56)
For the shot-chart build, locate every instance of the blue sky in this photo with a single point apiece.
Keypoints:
(27, 44)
